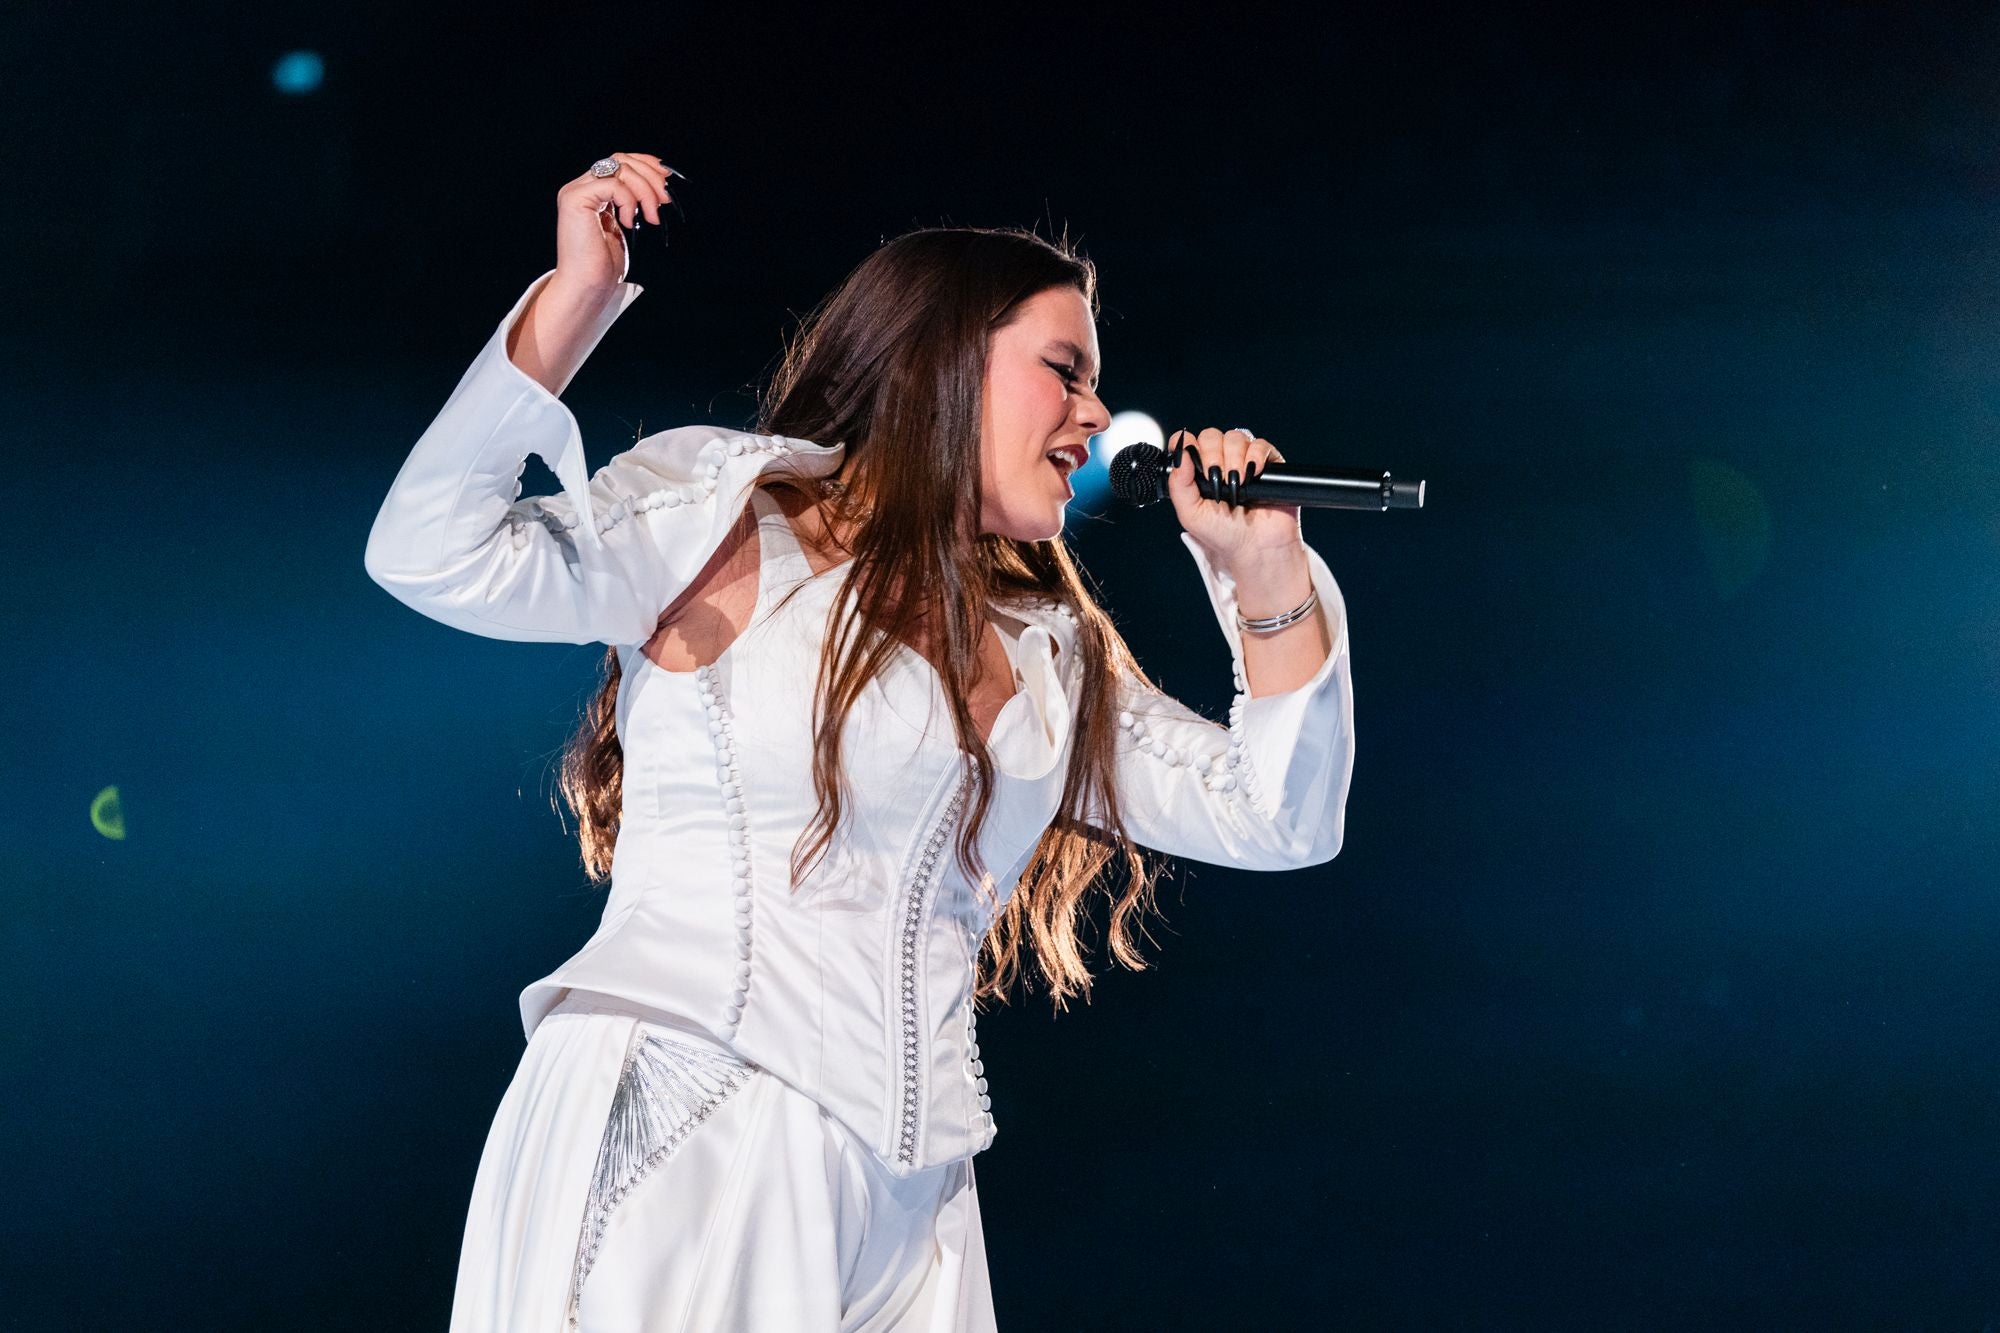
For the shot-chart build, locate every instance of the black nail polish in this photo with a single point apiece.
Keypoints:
(1235, 483)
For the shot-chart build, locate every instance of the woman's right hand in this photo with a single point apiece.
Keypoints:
(591, 212)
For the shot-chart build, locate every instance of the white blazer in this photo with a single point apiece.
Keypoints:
(854, 985)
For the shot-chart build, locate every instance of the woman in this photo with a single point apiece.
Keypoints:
(865, 739)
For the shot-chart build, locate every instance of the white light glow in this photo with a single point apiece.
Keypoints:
(1126, 428)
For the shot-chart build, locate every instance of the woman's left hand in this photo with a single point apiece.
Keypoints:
(1232, 535)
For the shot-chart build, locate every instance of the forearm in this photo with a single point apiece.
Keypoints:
(557, 331)
(1282, 660)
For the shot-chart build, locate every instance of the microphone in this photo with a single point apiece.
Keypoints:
(1139, 476)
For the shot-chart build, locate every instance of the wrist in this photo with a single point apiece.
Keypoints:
(1269, 583)
(571, 294)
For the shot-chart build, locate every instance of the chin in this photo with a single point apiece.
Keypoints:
(1041, 528)
(1047, 530)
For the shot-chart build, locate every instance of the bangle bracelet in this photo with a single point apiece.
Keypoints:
(1266, 624)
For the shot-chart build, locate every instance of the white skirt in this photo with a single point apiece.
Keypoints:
(640, 1177)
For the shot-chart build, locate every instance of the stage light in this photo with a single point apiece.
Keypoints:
(1092, 482)
(298, 73)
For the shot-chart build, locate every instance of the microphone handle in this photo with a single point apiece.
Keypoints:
(1345, 490)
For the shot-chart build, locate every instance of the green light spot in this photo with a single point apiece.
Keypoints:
(1732, 522)
(107, 816)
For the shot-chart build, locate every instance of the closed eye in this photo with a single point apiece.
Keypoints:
(1068, 374)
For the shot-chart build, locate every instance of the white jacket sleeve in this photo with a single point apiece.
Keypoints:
(1266, 792)
(596, 563)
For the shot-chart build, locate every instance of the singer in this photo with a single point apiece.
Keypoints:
(864, 743)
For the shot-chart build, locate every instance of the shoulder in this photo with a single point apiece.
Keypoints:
(704, 469)
(692, 459)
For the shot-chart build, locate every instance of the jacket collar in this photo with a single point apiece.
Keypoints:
(686, 457)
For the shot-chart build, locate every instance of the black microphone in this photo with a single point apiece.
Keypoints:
(1139, 476)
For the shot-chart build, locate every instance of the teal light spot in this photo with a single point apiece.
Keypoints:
(298, 73)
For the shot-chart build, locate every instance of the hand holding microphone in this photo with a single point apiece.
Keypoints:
(1245, 517)
(1201, 474)
(1141, 475)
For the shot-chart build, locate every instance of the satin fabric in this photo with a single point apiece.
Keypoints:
(769, 1215)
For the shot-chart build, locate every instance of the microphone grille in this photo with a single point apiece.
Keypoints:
(1139, 474)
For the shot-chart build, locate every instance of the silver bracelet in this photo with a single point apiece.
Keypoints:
(1266, 624)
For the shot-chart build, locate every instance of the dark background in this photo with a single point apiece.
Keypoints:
(1655, 985)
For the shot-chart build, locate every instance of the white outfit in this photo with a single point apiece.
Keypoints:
(789, 1071)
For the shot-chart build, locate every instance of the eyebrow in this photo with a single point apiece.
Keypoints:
(1077, 354)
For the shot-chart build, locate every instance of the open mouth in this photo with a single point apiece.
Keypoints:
(1068, 459)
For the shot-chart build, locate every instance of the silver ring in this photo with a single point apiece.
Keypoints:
(605, 166)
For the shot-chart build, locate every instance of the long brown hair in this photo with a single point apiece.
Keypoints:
(893, 362)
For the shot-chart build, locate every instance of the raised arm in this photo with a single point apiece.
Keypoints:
(598, 562)
(601, 560)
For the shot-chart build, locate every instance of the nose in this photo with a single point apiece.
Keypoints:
(1091, 413)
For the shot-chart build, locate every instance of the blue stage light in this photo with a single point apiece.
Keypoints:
(298, 73)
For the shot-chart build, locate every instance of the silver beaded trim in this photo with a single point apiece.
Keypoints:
(665, 1090)
(918, 885)
(708, 475)
(722, 731)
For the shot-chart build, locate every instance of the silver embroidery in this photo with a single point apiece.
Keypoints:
(722, 731)
(921, 880)
(666, 1088)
